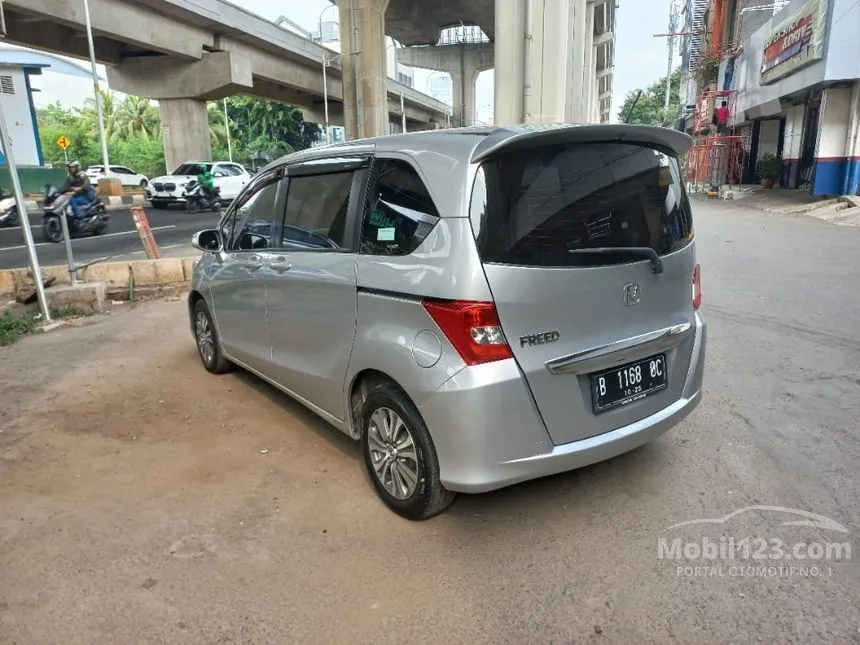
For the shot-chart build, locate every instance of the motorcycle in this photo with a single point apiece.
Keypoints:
(94, 220)
(196, 199)
(8, 210)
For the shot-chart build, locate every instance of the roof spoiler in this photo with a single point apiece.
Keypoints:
(527, 137)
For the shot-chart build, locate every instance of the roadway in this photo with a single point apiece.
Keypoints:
(172, 229)
(143, 500)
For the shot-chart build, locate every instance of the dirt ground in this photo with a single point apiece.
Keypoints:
(143, 500)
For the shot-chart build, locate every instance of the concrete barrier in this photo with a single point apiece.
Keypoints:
(112, 202)
(146, 276)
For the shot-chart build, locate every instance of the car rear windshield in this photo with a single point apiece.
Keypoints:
(540, 207)
(191, 169)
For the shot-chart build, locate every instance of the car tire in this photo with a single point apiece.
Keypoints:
(143, 183)
(407, 482)
(210, 352)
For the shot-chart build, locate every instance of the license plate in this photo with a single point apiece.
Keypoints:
(628, 383)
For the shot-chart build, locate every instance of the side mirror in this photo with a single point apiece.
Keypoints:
(208, 240)
(219, 174)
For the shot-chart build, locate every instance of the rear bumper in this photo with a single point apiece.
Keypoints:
(489, 435)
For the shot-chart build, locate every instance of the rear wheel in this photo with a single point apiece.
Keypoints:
(400, 457)
(208, 345)
(143, 183)
(53, 229)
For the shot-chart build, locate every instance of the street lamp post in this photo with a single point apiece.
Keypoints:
(325, 64)
(96, 88)
(227, 124)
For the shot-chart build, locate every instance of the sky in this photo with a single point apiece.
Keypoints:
(640, 57)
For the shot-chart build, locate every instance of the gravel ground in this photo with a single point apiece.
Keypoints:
(145, 501)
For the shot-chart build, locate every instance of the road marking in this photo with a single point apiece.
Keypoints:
(94, 237)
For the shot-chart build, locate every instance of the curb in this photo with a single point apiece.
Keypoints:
(111, 203)
(120, 278)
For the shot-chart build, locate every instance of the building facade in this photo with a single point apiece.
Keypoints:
(791, 74)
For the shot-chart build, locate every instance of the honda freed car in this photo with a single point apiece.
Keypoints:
(478, 306)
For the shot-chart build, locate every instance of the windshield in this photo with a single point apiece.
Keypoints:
(545, 207)
(191, 168)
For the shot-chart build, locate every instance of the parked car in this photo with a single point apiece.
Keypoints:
(478, 308)
(127, 176)
(230, 178)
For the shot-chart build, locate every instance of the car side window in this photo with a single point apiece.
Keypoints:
(235, 170)
(317, 212)
(399, 212)
(252, 222)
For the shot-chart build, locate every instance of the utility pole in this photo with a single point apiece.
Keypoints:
(96, 89)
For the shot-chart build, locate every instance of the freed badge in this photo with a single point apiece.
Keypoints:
(539, 339)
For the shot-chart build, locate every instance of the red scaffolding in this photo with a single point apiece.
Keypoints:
(716, 158)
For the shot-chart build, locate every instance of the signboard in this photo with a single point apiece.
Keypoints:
(64, 142)
(795, 42)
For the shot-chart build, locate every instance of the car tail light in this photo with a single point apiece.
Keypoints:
(473, 328)
(697, 287)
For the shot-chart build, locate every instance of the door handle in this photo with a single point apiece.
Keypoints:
(254, 262)
(280, 264)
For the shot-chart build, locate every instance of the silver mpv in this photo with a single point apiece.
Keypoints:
(478, 307)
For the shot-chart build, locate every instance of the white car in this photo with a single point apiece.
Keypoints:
(230, 177)
(127, 176)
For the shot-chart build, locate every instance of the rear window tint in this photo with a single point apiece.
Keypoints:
(399, 212)
(540, 207)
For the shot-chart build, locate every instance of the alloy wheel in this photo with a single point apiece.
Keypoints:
(392, 453)
(205, 341)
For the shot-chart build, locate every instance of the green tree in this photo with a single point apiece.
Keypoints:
(138, 118)
(111, 114)
(650, 108)
(133, 127)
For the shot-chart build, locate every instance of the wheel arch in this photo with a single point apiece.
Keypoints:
(360, 387)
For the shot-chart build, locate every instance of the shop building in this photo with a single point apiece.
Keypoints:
(796, 86)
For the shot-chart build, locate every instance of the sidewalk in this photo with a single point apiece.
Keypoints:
(111, 203)
(842, 211)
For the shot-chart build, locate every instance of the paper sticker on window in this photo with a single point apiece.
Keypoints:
(385, 234)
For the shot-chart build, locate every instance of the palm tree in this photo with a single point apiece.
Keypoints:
(110, 111)
(138, 117)
(217, 124)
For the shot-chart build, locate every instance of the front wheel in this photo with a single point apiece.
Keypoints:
(191, 206)
(53, 229)
(12, 220)
(144, 183)
(400, 457)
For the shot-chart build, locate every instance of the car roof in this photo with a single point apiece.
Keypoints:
(441, 154)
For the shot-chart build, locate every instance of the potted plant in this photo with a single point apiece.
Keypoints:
(769, 167)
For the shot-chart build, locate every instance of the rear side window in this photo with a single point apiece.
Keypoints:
(539, 208)
(399, 212)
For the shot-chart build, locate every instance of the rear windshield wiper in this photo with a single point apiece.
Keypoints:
(645, 251)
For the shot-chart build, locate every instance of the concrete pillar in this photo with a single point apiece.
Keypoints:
(185, 129)
(362, 37)
(589, 64)
(463, 62)
(576, 27)
(547, 69)
(463, 84)
(509, 63)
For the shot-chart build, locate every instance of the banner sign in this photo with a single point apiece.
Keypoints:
(795, 42)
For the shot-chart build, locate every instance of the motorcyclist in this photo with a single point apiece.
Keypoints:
(79, 185)
(207, 183)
